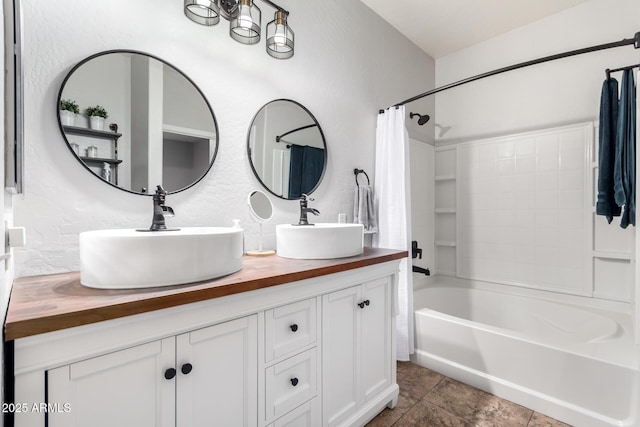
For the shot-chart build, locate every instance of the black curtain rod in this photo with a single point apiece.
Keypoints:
(635, 41)
(279, 137)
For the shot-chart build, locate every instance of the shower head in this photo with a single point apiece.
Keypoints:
(422, 119)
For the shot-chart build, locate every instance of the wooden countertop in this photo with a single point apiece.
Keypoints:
(53, 302)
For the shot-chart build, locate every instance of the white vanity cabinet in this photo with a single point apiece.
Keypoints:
(358, 355)
(303, 350)
(204, 377)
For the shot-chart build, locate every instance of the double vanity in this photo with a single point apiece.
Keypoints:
(282, 342)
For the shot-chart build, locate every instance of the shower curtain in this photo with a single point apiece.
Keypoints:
(393, 204)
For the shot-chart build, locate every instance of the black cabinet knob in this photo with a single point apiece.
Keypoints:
(364, 303)
(294, 382)
(294, 327)
(186, 368)
(169, 374)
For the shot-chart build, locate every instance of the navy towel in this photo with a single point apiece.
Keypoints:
(606, 204)
(624, 169)
(305, 169)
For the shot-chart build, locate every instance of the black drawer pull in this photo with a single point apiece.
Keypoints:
(186, 368)
(294, 327)
(294, 382)
(367, 302)
(361, 304)
(169, 374)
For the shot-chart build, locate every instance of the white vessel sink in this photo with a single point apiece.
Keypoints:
(125, 259)
(319, 241)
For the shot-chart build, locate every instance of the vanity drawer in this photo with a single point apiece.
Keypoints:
(290, 383)
(305, 415)
(290, 328)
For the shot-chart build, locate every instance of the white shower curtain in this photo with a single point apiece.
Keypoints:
(393, 203)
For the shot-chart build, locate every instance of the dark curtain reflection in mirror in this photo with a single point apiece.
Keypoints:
(287, 149)
(160, 128)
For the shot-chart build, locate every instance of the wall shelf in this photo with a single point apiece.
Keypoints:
(445, 243)
(445, 178)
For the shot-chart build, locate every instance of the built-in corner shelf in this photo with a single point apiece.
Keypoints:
(446, 218)
(612, 255)
(445, 210)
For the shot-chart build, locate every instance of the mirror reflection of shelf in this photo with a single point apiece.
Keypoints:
(101, 134)
(100, 160)
(105, 134)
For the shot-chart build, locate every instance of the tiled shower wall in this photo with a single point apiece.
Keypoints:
(519, 210)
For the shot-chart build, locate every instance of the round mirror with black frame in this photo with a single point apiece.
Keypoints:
(287, 149)
(136, 121)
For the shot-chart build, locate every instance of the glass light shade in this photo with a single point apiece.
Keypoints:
(245, 28)
(205, 12)
(280, 38)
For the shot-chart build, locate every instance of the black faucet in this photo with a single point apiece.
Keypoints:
(160, 212)
(304, 210)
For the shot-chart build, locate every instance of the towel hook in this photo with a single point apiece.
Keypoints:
(356, 172)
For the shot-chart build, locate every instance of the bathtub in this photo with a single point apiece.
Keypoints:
(575, 364)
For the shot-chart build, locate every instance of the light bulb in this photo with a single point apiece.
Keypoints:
(244, 17)
(280, 36)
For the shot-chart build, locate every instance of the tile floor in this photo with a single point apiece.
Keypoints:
(429, 399)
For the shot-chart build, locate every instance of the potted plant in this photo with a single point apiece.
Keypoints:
(97, 116)
(68, 110)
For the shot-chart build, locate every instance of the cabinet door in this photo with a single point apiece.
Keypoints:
(376, 364)
(340, 354)
(217, 375)
(126, 388)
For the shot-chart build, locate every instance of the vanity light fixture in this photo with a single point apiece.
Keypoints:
(245, 21)
(205, 12)
(245, 26)
(280, 37)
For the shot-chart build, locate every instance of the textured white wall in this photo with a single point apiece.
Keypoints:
(555, 93)
(348, 64)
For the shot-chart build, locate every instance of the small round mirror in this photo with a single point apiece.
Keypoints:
(260, 206)
(287, 149)
(261, 211)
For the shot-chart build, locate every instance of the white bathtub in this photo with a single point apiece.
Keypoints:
(575, 364)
